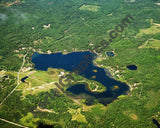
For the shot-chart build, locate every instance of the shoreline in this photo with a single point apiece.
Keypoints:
(110, 71)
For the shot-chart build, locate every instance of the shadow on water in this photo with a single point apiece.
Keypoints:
(72, 60)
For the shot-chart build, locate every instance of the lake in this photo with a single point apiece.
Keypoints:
(71, 60)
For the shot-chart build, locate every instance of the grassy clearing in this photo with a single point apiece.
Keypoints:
(97, 108)
(122, 96)
(2, 73)
(29, 120)
(131, 114)
(92, 8)
(76, 115)
(154, 44)
(49, 76)
(152, 30)
(151, 43)
(98, 59)
(39, 81)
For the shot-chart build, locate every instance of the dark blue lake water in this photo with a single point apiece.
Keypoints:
(132, 67)
(70, 61)
(110, 54)
(24, 78)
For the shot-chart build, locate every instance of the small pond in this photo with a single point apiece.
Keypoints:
(24, 78)
(110, 54)
(132, 67)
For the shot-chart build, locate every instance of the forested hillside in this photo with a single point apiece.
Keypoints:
(52, 26)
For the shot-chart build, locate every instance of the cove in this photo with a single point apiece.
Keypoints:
(71, 60)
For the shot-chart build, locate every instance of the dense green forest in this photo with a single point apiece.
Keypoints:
(49, 26)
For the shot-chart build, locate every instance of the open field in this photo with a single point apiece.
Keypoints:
(151, 43)
(76, 115)
(89, 8)
(39, 81)
(154, 29)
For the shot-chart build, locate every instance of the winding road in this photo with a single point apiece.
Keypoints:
(13, 91)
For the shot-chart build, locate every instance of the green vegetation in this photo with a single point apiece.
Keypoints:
(89, 8)
(76, 115)
(76, 26)
(29, 120)
(92, 85)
